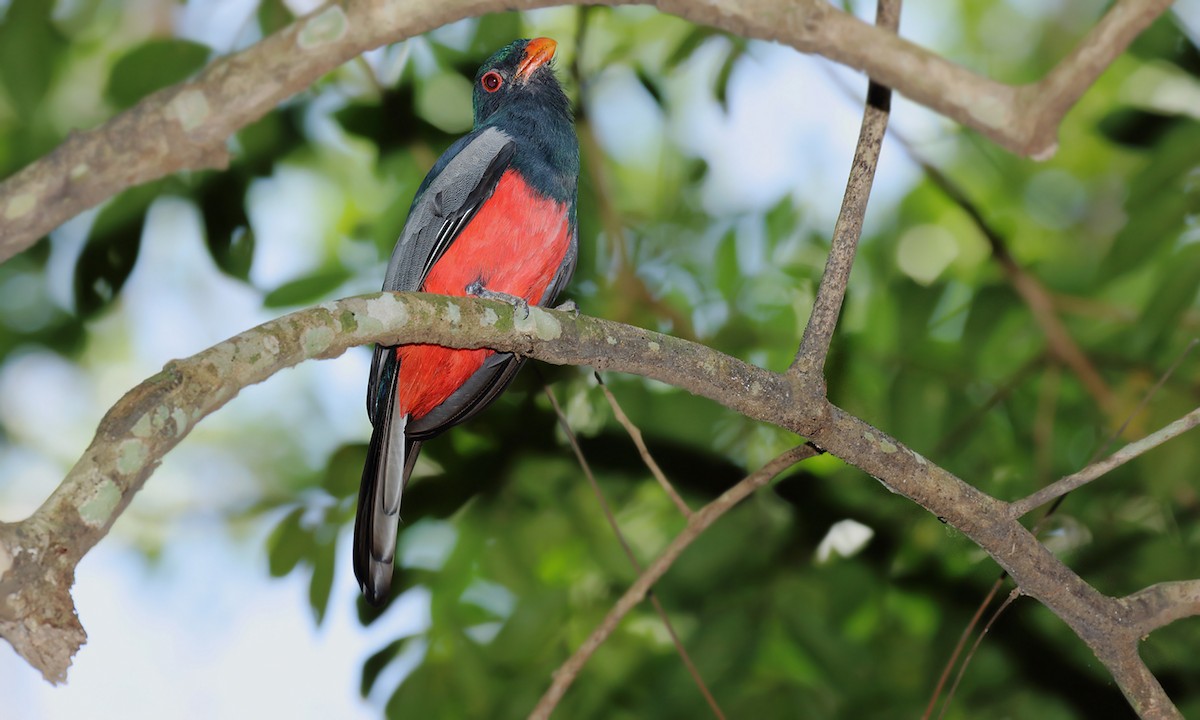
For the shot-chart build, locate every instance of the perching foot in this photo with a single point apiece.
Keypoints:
(520, 305)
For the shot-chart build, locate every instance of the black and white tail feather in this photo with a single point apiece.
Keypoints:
(390, 457)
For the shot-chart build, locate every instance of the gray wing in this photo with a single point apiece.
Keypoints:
(450, 196)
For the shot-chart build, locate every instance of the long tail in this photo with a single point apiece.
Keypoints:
(390, 459)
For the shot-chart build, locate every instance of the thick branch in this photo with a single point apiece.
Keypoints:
(38, 555)
(41, 551)
(186, 126)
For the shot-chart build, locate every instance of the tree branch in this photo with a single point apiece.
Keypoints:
(1163, 604)
(38, 555)
(818, 332)
(186, 126)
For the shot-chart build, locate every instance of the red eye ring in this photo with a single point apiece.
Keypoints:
(491, 81)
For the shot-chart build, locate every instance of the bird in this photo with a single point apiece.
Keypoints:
(495, 217)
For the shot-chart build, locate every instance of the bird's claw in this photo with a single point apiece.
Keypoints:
(568, 306)
(520, 304)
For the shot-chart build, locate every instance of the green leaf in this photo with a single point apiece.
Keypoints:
(1178, 285)
(721, 84)
(275, 135)
(388, 225)
(375, 664)
(152, 66)
(1166, 39)
(321, 584)
(344, 470)
(413, 699)
(391, 124)
(494, 31)
(650, 85)
(1158, 202)
(288, 544)
(444, 101)
(782, 220)
(112, 249)
(725, 265)
(29, 51)
(306, 289)
(227, 230)
(1136, 128)
(1153, 224)
(690, 43)
(537, 623)
(273, 15)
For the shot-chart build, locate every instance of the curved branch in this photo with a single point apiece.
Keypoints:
(186, 126)
(38, 555)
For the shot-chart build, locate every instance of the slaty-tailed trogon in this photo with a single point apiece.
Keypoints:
(496, 212)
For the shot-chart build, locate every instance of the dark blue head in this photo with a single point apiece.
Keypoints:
(519, 75)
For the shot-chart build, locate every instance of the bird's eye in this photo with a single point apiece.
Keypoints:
(491, 81)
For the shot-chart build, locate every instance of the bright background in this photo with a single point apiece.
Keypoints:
(225, 590)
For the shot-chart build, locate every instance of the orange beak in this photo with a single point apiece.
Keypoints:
(537, 53)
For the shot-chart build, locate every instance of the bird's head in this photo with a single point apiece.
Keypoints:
(518, 73)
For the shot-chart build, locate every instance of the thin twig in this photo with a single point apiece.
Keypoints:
(697, 524)
(1095, 470)
(1012, 596)
(827, 307)
(637, 567)
(1119, 432)
(635, 434)
(958, 648)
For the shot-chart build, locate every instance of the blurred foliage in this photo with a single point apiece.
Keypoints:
(935, 347)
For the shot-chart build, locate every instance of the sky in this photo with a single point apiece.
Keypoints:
(203, 631)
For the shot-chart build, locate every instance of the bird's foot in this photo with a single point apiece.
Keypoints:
(568, 306)
(520, 304)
